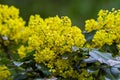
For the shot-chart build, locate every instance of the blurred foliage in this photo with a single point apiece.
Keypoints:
(53, 49)
(77, 10)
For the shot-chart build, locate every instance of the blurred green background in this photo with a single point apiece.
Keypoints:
(77, 10)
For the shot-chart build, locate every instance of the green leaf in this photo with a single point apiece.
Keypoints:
(112, 72)
(44, 69)
(89, 36)
(16, 63)
(114, 63)
(90, 60)
(20, 77)
(110, 75)
(101, 56)
(115, 72)
(111, 48)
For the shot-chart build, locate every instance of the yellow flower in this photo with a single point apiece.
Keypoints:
(102, 37)
(22, 51)
(103, 13)
(53, 33)
(51, 38)
(44, 56)
(99, 38)
(11, 25)
(107, 28)
(91, 25)
(4, 73)
(34, 41)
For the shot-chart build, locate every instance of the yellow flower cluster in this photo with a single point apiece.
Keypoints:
(4, 73)
(102, 37)
(107, 28)
(11, 25)
(50, 38)
(44, 55)
(57, 35)
(54, 33)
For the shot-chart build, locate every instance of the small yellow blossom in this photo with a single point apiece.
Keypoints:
(103, 13)
(91, 25)
(44, 55)
(22, 51)
(4, 73)
(34, 41)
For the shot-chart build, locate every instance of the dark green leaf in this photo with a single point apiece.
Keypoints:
(17, 63)
(101, 56)
(89, 36)
(44, 69)
(90, 60)
(112, 73)
(115, 72)
(20, 77)
(109, 75)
